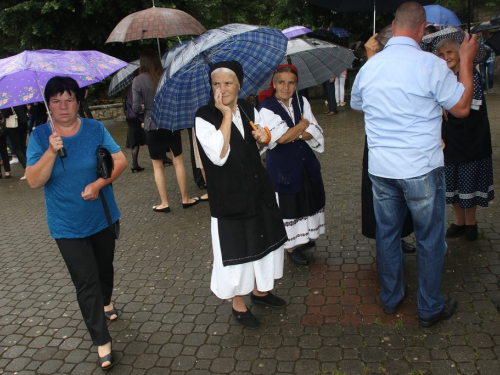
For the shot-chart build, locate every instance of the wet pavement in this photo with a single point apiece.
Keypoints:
(171, 323)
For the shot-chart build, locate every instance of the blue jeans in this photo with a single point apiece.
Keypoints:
(424, 196)
(491, 69)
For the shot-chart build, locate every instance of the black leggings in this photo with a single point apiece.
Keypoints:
(4, 154)
(90, 264)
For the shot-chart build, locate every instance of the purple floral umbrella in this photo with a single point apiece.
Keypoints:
(23, 77)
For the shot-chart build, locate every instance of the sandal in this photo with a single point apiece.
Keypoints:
(110, 313)
(107, 358)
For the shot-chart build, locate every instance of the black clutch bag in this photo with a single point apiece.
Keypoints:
(104, 162)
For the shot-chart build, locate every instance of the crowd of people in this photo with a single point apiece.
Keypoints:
(260, 213)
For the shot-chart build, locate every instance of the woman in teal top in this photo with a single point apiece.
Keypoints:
(75, 213)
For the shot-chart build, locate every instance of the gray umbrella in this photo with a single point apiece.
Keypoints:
(494, 23)
(123, 78)
(317, 61)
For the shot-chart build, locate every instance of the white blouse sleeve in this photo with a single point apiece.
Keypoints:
(276, 125)
(211, 140)
(317, 142)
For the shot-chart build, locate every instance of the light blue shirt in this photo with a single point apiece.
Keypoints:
(401, 91)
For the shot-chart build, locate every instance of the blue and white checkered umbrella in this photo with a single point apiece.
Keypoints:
(339, 31)
(123, 78)
(258, 49)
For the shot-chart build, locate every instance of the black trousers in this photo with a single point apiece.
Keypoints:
(4, 153)
(18, 138)
(90, 264)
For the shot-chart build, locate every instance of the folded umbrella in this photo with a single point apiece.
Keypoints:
(317, 61)
(294, 31)
(441, 15)
(186, 86)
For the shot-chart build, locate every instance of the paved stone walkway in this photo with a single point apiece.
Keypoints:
(171, 323)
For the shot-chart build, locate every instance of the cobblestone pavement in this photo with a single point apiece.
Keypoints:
(171, 323)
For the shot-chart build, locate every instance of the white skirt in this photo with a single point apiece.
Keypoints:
(302, 230)
(240, 279)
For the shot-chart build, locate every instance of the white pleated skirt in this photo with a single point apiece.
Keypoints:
(240, 279)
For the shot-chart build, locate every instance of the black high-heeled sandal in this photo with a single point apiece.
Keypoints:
(107, 358)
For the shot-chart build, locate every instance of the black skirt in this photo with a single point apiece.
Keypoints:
(308, 201)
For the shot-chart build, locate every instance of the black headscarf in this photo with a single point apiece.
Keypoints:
(235, 66)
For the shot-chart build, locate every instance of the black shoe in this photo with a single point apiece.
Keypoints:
(109, 314)
(167, 161)
(246, 319)
(296, 257)
(394, 310)
(471, 232)
(137, 169)
(107, 358)
(164, 210)
(407, 247)
(187, 205)
(269, 300)
(455, 230)
(498, 308)
(7, 176)
(448, 310)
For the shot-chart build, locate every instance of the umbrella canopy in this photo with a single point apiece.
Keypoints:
(441, 16)
(258, 49)
(155, 23)
(123, 78)
(292, 32)
(384, 35)
(325, 35)
(339, 31)
(430, 41)
(494, 23)
(23, 76)
(317, 61)
(382, 6)
(494, 43)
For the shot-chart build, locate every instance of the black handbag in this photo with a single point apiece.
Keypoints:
(104, 170)
(104, 162)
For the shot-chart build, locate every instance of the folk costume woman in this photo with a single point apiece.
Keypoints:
(467, 154)
(247, 228)
(291, 162)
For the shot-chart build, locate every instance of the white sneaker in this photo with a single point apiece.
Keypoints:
(23, 178)
(342, 104)
(14, 161)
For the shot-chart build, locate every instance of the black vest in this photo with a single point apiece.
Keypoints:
(237, 187)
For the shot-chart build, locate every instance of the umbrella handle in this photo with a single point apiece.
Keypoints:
(62, 153)
(265, 128)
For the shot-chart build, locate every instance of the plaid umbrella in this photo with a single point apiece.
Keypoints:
(441, 15)
(292, 32)
(317, 61)
(123, 78)
(258, 49)
(430, 41)
(339, 31)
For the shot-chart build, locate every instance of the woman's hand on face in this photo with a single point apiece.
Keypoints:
(218, 103)
(55, 142)
(91, 192)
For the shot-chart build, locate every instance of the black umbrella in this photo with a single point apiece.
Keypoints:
(382, 6)
(494, 43)
(325, 35)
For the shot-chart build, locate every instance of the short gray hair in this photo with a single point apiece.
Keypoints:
(448, 42)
